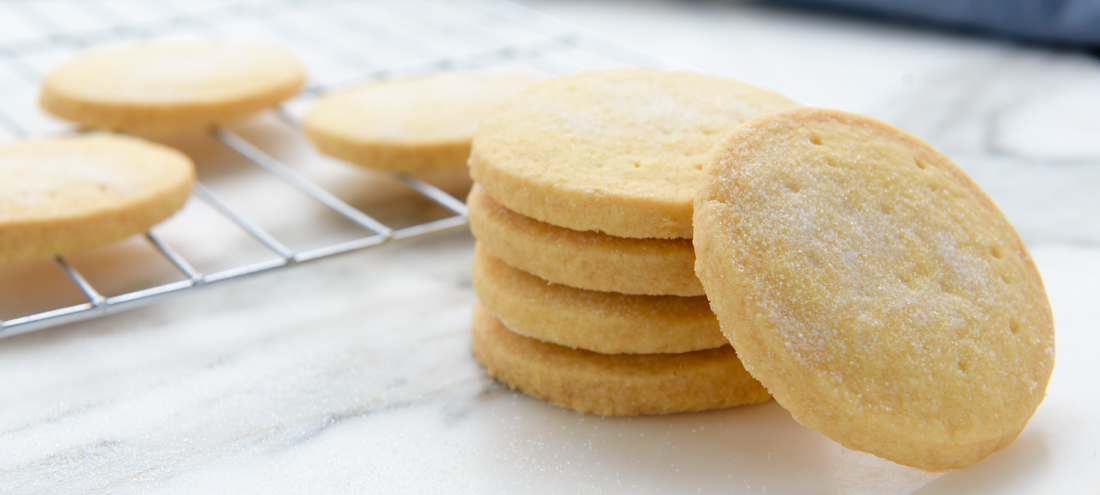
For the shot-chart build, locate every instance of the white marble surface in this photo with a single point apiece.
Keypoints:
(354, 374)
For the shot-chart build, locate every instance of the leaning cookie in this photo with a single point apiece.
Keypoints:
(168, 87)
(606, 322)
(618, 152)
(421, 126)
(66, 194)
(613, 385)
(873, 287)
(586, 260)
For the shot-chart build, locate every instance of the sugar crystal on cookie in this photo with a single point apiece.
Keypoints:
(888, 301)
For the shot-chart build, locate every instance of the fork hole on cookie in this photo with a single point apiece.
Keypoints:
(1014, 326)
(816, 139)
(962, 365)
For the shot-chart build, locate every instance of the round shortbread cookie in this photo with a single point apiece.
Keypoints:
(166, 87)
(613, 385)
(411, 125)
(606, 322)
(64, 194)
(876, 291)
(586, 260)
(614, 151)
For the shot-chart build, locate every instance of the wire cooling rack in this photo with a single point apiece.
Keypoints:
(342, 43)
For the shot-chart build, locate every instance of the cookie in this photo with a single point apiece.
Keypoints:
(586, 260)
(65, 194)
(167, 87)
(606, 322)
(617, 152)
(876, 291)
(613, 385)
(416, 126)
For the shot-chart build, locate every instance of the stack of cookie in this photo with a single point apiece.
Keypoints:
(584, 263)
(866, 281)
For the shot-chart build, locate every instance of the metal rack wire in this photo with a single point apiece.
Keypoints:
(343, 42)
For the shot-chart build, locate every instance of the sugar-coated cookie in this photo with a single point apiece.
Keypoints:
(586, 260)
(606, 322)
(417, 125)
(617, 151)
(162, 87)
(876, 291)
(65, 194)
(613, 385)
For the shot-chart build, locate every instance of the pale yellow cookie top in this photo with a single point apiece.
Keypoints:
(67, 193)
(170, 85)
(55, 178)
(873, 287)
(426, 110)
(614, 151)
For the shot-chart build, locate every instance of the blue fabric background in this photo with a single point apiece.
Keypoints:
(1068, 22)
